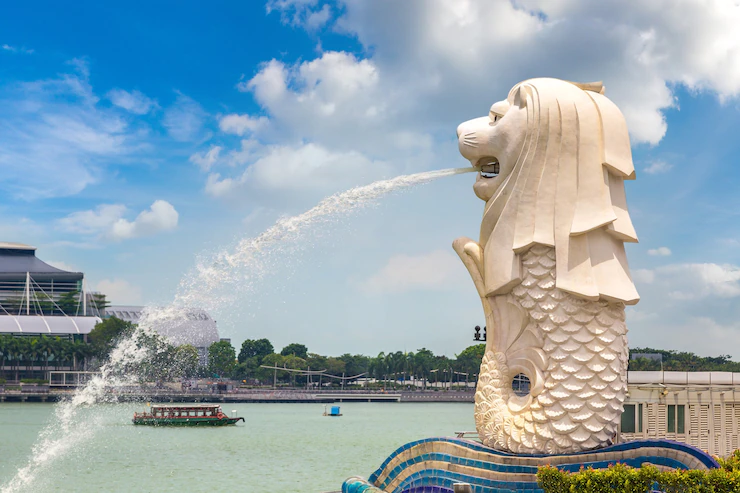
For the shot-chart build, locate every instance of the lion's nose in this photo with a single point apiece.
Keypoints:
(459, 130)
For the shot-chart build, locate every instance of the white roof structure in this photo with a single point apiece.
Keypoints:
(39, 324)
(196, 327)
(683, 378)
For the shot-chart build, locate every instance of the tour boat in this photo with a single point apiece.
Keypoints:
(185, 415)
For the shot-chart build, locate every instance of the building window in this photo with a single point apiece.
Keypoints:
(520, 385)
(628, 419)
(676, 418)
(639, 418)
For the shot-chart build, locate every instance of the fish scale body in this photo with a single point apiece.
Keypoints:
(578, 380)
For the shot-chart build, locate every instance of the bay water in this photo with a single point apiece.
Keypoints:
(282, 448)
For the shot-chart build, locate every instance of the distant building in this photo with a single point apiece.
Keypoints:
(698, 408)
(199, 328)
(38, 299)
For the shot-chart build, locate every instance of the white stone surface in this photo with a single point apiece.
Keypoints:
(550, 265)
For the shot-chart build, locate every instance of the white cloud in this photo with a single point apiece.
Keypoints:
(134, 101)
(250, 149)
(220, 187)
(402, 273)
(119, 292)
(641, 276)
(207, 160)
(15, 49)
(698, 281)
(318, 19)
(107, 221)
(304, 13)
(184, 119)
(284, 171)
(161, 216)
(660, 251)
(336, 101)
(657, 167)
(683, 300)
(430, 65)
(55, 139)
(241, 124)
(477, 50)
(92, 222)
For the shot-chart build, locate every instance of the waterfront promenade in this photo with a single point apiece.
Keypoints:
(255, 395)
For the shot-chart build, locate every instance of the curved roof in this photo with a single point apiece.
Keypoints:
(9, 245)
(16, 259)
(194, 326)
(39, 324)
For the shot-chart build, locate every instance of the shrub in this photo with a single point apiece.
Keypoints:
(641, 480)
(34, 380)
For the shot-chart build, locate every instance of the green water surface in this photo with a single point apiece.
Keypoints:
(281, 447)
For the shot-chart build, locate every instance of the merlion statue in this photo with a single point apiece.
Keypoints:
(550, 266)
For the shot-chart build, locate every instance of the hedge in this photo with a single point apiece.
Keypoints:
(622, 478)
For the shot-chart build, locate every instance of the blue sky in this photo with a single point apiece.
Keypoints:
(135, 138)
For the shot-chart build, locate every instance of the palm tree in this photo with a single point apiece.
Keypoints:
(378, 368)
(44, 346)
(80, 352)
(33, 351)
(22, 348)
(62, 353)
(423, 361)
(12, 348)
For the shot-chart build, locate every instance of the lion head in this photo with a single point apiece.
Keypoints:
(552, 161)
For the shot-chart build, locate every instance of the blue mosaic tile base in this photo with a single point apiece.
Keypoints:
(434, 465)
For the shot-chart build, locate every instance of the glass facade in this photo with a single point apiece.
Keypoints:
(628, 419)
(676, 418)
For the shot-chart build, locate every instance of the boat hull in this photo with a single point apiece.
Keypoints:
(186, 421)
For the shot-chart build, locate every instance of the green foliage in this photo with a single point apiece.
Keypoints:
(731, 463)
(221, 358)
(355, 364)
(186, 360)
(640, 480)
(295, 349)
(255, 349)
(682, 361)
(468, 361)
(69, 303)
(106, 334)
(34, 380)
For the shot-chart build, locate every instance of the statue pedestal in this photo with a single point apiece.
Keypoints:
(434, 465)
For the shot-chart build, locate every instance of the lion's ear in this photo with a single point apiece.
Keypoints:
(520, 96)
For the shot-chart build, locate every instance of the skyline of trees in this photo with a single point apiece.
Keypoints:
(19, 355)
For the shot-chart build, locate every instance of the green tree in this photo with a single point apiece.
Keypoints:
(106, 334)
(255, 349)
(469, 360)
(69, 303)
(423, 362)
(295, 349)
(355, 364)
(187, 360)
(97, 302)
(221, 359)
(45, 347)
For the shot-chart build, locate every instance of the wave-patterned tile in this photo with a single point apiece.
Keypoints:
(434, 465)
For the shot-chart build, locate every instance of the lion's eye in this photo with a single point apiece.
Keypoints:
(494, 118)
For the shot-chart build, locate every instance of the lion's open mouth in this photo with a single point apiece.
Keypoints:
(489, 167)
